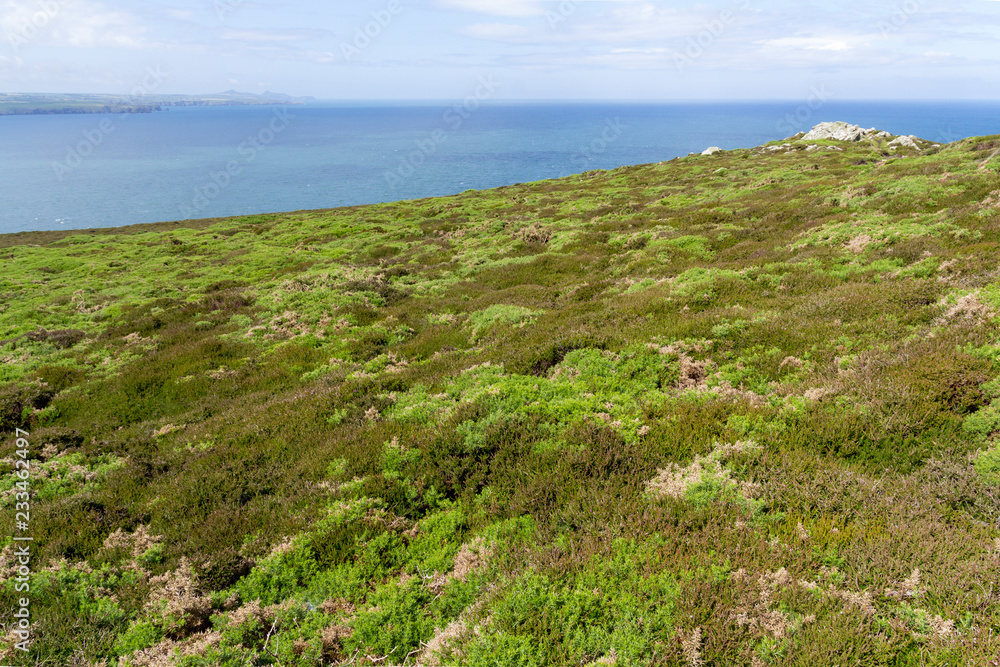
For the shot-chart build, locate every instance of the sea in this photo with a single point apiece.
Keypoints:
(109, 170)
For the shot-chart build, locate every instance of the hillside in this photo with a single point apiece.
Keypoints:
(730, 409)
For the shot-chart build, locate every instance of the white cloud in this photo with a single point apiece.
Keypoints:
(10, 63)
(650, 35)
(644, 51)
(616, 24)
(497, 32)
(510, 8)
(101, 29)
(264, 36)
(77, 23)
(808, 43)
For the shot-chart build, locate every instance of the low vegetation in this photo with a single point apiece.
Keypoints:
(738, 409)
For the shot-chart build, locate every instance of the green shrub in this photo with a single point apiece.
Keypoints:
(139, 636)
(988, 464)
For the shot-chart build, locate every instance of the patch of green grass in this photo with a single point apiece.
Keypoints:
(499, 315)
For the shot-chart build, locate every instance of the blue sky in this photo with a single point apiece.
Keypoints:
(526, 49)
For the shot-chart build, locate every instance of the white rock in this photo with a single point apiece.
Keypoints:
(905, 141)
(838, 131)
(841, 131)
(711, 151)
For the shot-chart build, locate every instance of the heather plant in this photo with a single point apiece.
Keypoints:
(499, 315)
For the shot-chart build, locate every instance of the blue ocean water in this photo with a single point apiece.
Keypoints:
(81, 171)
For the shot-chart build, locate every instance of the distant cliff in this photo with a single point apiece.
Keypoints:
(42, 110)
(20, 104)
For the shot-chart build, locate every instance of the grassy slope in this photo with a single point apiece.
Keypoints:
(736, 409)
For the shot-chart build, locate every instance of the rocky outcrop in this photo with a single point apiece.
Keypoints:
(712, 150)
(905, 141)
(841, 131)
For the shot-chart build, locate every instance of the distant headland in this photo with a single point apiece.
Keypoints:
(21, 104)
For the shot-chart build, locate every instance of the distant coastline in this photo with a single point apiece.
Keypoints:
(33, 104)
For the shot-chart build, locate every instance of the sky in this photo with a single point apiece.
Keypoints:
(506, 49)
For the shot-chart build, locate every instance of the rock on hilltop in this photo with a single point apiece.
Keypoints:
(841, 131)
(907, 140)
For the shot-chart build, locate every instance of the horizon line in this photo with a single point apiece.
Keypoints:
(567, 100)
